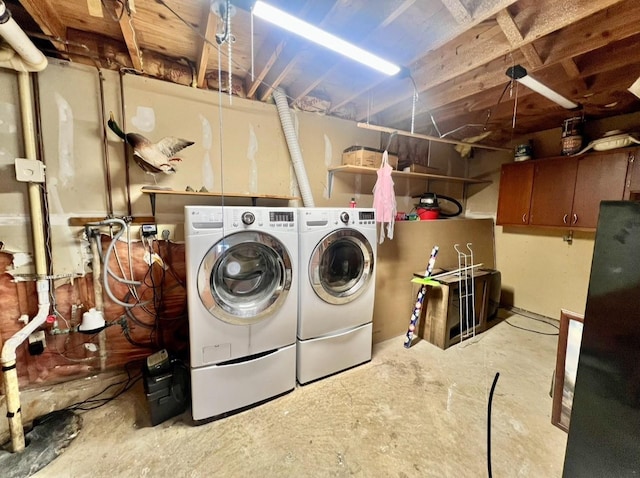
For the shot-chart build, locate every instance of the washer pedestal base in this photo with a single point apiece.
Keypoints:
(218, 389)
(326, 355)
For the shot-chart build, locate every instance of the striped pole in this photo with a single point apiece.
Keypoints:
(417, 308)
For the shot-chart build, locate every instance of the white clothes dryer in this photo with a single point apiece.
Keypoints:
(242, 294)
(337, 290)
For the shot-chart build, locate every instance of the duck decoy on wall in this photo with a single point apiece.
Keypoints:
(152, 158)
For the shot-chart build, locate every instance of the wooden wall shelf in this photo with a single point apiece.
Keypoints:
(254, 197)
(349, 169)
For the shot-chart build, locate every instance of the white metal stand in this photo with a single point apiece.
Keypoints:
(466, 292)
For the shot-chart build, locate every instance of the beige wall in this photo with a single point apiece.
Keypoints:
(238, 148)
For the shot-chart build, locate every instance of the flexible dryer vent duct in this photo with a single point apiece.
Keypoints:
(294, 148)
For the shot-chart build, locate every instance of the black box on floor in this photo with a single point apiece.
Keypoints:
(167, 393)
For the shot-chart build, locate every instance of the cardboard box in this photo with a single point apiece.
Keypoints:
(419, 168)
(366, 157)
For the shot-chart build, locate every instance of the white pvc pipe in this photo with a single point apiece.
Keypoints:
(294, 148)
(32, 59)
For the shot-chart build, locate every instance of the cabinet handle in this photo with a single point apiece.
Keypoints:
(575, 219)
(524, 217)
(564, 219)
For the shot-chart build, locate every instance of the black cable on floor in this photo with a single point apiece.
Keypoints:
(493, 388)
(531, 330)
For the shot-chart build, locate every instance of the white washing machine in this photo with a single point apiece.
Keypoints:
(242, 293)
(337, 290)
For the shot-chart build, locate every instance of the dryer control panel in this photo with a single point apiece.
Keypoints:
(250, 218)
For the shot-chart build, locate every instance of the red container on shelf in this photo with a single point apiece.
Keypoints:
(428, 214)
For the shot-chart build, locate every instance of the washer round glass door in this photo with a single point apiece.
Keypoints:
(245, 277)
(341, 266)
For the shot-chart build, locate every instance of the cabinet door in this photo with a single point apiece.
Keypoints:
(553, 185)
(516, 181)
(600, 177)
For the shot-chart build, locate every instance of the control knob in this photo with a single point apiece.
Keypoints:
(248, 218)
(344, 217)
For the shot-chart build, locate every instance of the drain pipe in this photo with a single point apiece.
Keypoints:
(294, 148)
(31, 60)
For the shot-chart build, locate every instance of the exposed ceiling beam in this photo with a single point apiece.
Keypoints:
(46, 17)
(329, 72)
(614, 54)
(515, 37)
(129, 33)
(458, 11)
(205, 46)
(451, 61)
(273, 57)
(290, 64)
(570, 68)
(484, 11)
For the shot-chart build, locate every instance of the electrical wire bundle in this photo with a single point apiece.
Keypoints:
(144, 301)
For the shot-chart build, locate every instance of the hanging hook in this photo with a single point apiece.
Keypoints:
(395, 133)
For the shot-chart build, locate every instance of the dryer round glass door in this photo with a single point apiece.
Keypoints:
(341, 266)
(245, 277)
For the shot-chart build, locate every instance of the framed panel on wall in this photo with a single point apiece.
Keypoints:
(569, 341)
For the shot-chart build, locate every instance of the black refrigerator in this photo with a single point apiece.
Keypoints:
(604, 432)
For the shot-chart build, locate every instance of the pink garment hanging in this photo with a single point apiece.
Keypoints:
(384, 198)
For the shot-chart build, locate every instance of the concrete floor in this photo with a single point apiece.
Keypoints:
(418, 412)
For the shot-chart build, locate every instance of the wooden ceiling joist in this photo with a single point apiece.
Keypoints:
(129, 34)
(45, 15)
(457, 10)
(205, 47)
(290, 64)
(513, 34)
(273, 57)
(447, 32)
(451, 61)
(466, 66)
(331, 71)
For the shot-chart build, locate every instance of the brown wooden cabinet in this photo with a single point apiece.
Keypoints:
(564, 191)
(514, 198)
(554, 182)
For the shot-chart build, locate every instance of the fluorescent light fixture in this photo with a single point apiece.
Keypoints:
(519, 73)
(321, 37)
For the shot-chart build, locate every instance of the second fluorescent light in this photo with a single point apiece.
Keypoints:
(323, 38)
(519, 73)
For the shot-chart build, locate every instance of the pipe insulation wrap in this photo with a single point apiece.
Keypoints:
(294, 147)
(32, 58)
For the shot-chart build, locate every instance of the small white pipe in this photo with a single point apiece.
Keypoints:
(13, 342)
(33, 59)
(99, 302)
(10, 374)
(294, 148)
